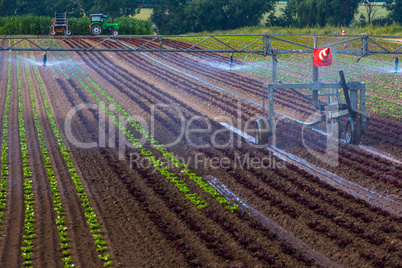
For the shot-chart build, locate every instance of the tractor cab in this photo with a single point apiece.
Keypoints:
(98, 17)
(98, 25)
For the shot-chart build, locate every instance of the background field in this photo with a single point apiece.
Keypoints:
(146, 13)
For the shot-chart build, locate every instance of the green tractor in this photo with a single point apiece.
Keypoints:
(97, 25)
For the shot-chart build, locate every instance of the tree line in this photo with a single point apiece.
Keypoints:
(301, 13)
(74, 8)
(183, 16)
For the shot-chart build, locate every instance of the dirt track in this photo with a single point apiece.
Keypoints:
(286, 216)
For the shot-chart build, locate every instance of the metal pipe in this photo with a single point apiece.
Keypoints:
(274, 67)
(346, 93)
(363, 108)
(316, 104)
(271, 111)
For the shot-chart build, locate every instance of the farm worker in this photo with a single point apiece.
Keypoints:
(231, 60)
(396, 63)
(44, 58)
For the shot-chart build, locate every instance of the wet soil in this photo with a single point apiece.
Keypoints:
(287, 215)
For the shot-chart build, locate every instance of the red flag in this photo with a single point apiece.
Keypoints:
(322, 57)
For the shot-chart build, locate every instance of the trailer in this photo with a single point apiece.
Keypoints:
(59, 25)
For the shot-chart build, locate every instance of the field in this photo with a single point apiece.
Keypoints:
(145, 14)
(127, 159)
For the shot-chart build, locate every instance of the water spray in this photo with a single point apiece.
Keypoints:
(44, 58)
(396, 63)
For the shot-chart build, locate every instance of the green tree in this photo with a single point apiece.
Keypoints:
(371, 9)
(74, 8)
(7, 8)
(395, 9)
(176, 17)
(321, 12)
(168, 16)
(286, 19)
(113, 8)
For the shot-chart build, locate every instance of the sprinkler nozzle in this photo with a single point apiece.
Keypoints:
(231, 60)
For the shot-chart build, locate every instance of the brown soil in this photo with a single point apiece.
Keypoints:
(288, 214)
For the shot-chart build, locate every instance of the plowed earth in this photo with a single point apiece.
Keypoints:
(291, 213)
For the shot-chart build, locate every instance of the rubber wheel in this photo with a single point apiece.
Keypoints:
(96, 29)
(334, 128)
(52, 32)
(352, 135)
(68, 32)
(115, 32)
(262, 132)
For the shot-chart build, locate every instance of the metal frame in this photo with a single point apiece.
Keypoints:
(266, 49)
(354, 91)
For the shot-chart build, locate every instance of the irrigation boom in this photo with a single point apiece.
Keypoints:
(267, 44)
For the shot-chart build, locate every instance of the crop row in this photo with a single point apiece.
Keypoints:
(374, 84)
(4, 146)
(348, 158)
(241, 239)
(286, 98)
(318, 208)
(193, 197)
(179, 210)
(282, 134)
(29, 201)
(57, 205)
(162, 225)
(245, 241)
(323, 193)
(377, 84)
(362, 163)
(156, 145)
(92, 221)
(342, 242)
(318, 211)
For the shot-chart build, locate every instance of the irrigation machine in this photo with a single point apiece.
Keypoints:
(332, 111)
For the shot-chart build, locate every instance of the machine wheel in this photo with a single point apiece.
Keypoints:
(96, 29)
(262, 132)
(334, 128)
(115, 32)
(52, 32)
(352, 134)
(68, 32)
